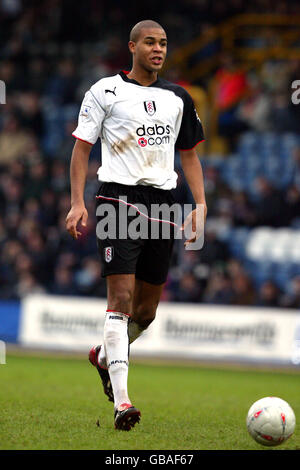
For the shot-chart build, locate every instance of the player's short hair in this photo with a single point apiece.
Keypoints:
(136, 30)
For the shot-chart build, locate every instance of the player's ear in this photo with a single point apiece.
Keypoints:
(131, 46)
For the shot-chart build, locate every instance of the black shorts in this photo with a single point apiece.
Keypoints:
(149, 258)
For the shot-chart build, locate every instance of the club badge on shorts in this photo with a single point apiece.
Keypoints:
(108, 253)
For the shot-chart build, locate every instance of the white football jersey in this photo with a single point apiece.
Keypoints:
(139, 128)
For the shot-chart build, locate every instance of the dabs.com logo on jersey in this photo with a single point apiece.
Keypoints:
(153, 135)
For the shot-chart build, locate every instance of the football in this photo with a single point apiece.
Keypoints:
(270, 421)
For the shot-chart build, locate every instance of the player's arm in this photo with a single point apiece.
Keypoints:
(78, 173)
(90, 120)
(192, 169)
(193, 173)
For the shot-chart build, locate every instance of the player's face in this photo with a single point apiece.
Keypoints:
(151, 49)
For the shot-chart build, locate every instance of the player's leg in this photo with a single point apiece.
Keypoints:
(151, 274)
(112, 358)
(132, 305)
(117, 256)
(120, 290)
(125, 294)
(145, 301)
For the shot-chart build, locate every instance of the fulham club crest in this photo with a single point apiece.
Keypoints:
(108, 253)
(150, 107)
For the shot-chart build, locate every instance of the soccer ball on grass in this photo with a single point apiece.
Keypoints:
(270, 421)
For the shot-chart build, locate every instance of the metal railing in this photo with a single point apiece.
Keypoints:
(252, 38)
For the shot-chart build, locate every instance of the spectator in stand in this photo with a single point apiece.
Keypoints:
(15, 142)
(219, 289)
(36, 248)
(243, 211)
(32, 209)
(12, 191)
(268, 295)
(24, 264)
(12, 223)
(65, 149)
(30, 113)
(296, 167)
(48, 215)
(88, 278)
(282, 118)
(63, 282)
(269, 206)
(292, 204)
(36, 180)
(10, 74)
(59, 179)
(28, 284)
(292, 298)
(189, 259)
(215, 187)
(12, 249)
(189, 289)
(38, 62)
(62, 84)
(214, 250)
(16, 169)
(3, 232)
(255, 109)
(243, 290)
(234, 268)
(230, 87)
(37, 75)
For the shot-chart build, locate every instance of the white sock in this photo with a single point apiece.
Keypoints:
(116, 345)
(134, 331)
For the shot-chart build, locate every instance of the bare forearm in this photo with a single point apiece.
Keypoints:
(78, 172)
(193, 173)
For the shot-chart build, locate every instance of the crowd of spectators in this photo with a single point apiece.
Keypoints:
(257, 101)
(47, 63)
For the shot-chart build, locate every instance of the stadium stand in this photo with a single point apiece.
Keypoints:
(252, 251)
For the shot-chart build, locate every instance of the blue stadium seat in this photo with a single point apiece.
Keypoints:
(248, 143)
(237, 241)
(288, 142)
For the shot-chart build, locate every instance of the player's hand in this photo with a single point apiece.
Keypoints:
(76, 214)
(194, 223)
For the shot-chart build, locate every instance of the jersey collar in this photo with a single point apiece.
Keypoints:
(124, 74)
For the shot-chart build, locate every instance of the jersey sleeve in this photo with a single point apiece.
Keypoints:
(191, 130)
(90, 119)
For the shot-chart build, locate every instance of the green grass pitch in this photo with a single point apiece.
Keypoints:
(53, 403)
